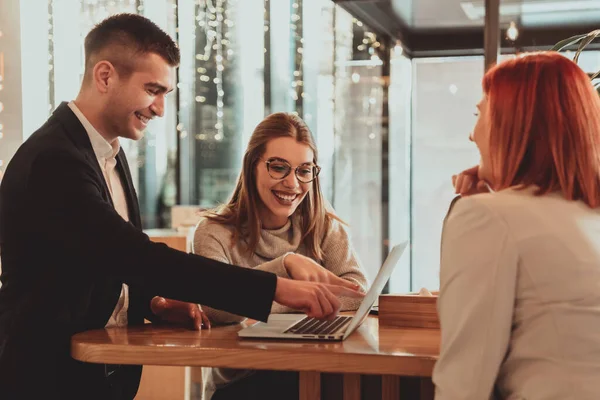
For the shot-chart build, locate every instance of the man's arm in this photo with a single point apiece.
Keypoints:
(68, 200)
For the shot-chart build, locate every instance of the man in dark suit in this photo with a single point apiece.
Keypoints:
(74, 256)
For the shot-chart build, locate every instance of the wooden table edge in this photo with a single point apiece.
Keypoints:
(289, 360)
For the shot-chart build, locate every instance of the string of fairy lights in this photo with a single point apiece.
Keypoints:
(50, 56)
(370, 43)
(369, 48)
(297, 84)
(214, 24)
(266, 93)
(219, 70)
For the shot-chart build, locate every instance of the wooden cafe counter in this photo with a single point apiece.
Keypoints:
(390, 352)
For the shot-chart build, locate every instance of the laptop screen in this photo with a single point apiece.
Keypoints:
(378, 284)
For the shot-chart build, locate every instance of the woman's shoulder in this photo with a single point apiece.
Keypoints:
(504, 200)
(208, 226)
(512, 206)
(336, 228)
(476, 204)
(335, 224)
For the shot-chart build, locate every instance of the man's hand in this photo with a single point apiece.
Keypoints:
(317, 300)
(302, 268)
(467, 182)
(180, 313)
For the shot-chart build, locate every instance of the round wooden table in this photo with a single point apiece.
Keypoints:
(388, 351)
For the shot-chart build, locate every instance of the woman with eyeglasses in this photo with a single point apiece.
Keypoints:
(276, 220)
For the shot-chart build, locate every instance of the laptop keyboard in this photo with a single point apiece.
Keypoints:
(315, 326)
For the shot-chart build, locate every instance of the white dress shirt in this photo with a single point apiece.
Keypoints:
(519, 301)
(106, 154)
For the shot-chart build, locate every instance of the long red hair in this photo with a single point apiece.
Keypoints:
(544, 126)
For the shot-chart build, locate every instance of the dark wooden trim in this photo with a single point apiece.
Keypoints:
(491, 33)
(178, 196)
(381, 18)
(385, 55)
(470, 42)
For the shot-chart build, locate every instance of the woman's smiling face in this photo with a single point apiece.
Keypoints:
(281, 197)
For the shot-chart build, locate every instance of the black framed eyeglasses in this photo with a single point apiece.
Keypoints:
(279, 168)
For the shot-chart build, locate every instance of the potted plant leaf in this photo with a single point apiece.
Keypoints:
(583, 40)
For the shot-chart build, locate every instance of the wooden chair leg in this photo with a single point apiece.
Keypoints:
(427, 389)
(352, 387)
(390, 387)
(310, 385)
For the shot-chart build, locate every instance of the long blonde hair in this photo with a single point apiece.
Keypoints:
(241, 210)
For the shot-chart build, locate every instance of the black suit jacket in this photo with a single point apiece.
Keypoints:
(65, 254)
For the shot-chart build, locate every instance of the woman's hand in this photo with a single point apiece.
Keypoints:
(468, 183)
(302, 268)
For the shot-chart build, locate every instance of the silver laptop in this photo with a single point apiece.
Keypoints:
(297, 326)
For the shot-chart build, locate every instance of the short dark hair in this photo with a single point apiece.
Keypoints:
(122, 37)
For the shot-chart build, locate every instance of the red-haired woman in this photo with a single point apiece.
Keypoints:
(519, 298)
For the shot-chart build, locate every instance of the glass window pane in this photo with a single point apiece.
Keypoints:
(358, 123)
(222, 45)
(155, 155)
(446, 91)
(318, 84)
(400, 92)
(589, 60)
(282, 57)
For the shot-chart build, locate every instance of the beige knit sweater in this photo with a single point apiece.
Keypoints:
(214, 240)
